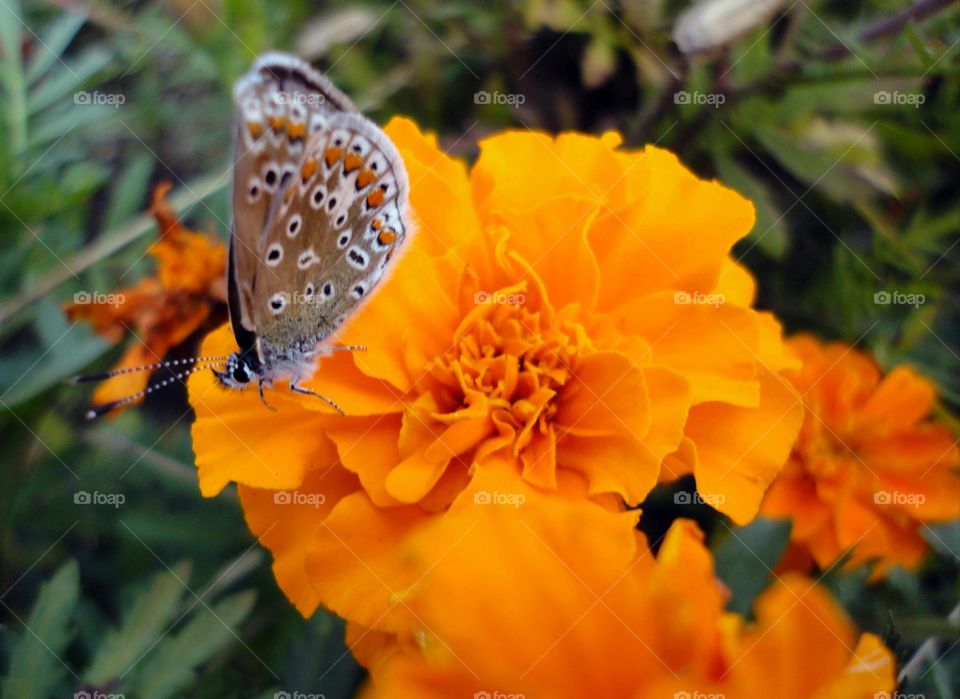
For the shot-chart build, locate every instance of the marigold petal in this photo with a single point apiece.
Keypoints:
(741, 450)
(284, 522)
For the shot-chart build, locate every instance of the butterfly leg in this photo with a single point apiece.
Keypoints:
(307, 392)
(262, 397)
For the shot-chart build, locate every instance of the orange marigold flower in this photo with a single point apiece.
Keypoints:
(161, 311)
(869, 467)
(557, 598)
(568, 306)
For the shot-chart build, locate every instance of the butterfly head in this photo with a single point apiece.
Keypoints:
(241, 369)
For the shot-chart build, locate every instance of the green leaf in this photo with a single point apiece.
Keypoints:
(35, 663)
(172, 665)
(745, 557)
(944, 537)
(57, 36)
(149, 618)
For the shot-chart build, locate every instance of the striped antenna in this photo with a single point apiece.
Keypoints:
(99, 410)
(82, 378)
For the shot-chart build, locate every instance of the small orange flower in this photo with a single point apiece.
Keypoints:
(556, 597)
(161, 311)
(567, 306)
(869, 468)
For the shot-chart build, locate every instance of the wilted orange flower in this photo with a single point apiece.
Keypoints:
(869, 468)
(568, 306)
(556, 597)
(164, 310)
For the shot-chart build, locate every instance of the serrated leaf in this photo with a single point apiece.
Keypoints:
(172, 665)
(745, 557)
(35, 663)
(150, 616)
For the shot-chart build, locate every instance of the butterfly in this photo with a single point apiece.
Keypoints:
(320, 204)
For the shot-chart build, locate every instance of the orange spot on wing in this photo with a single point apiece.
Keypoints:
(255, 128)
(375, 198)
(331, 155)
(377, 224)
(296, 131)
(352, 162)
(277, 123)
(309, 167)
(365, 177)
(387, 236)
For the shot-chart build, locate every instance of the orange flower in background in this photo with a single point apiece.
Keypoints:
(555, 597)
(567, 308)
(161, 311)
(869, 468)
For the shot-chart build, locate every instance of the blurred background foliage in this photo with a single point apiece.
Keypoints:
(856, 196)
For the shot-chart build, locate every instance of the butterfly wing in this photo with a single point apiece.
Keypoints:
(281, 101)
(338, 224)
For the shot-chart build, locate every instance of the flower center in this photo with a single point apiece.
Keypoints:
(512, 362)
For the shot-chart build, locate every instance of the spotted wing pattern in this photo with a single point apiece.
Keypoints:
(341, 219)
(280, 102)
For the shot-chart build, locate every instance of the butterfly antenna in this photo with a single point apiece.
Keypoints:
(82, 378)
(99, 410)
